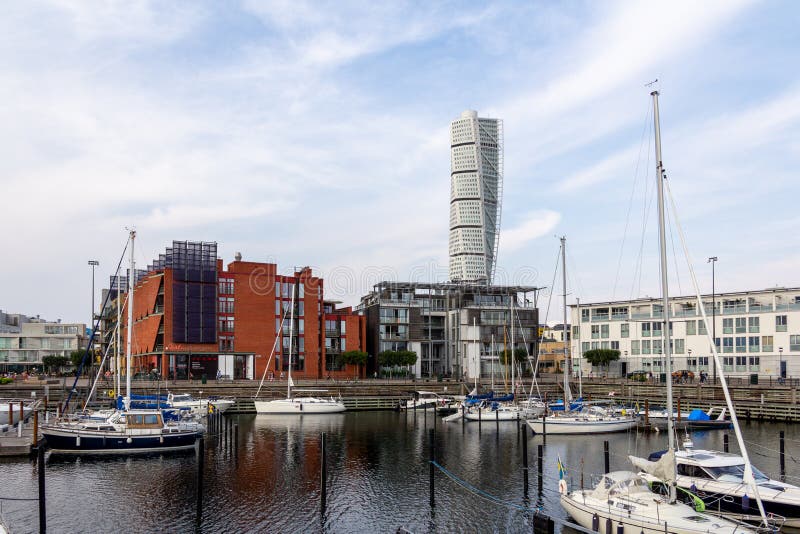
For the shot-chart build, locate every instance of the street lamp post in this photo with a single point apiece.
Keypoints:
(780, 364)
(713, 261)
(93, 263)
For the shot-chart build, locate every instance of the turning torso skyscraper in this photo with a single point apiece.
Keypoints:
(476, 194)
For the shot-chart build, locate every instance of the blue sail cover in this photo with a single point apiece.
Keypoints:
(558, 406)
(698, 415)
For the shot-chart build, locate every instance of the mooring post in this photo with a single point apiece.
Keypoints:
(236, 440)
(497, 421)
(42, 502)
(11, 413)
(35, 436)
(201, 456)
(606, 456)
(647, 413)
(21, 412)
(725, 442)
(783, 456)
(480, 414)
(425, 417)
(524, 459)
(432, 458)
(463, 416)
(540, 461)
(679, 409)
(323, 485)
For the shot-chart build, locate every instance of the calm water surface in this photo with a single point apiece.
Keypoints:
(377, 481)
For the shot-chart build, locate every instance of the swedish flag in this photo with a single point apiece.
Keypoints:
(561, 469)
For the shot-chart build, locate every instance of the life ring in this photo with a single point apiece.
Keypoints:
(111, 393)
(562, 487)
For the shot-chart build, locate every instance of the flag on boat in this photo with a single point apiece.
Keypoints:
(561, 469)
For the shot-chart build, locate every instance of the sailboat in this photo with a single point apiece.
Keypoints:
(623, 501)
(589, 419)
(297, 405)
(125, 431)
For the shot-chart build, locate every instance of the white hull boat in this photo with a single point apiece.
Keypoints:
(14, 407)
(624, 500)
(198, 407)
(577, 424)
(299, 405)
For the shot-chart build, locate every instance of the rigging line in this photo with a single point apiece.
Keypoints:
(546, 315)
(479, 492)
(630, 202)
(577, 279)
(672, 241)
(646, 200)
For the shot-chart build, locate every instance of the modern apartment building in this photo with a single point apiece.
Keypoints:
(193, 316)
(23, 347)
(757, 332)
(476, 193)
(451, 327)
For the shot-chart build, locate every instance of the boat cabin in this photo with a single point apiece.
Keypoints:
(142, 420)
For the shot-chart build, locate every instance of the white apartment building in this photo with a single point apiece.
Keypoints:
(25, 348)
(476, 192)
(756, 332)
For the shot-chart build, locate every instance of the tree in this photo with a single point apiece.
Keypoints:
(519, 355)
(76, 357)
(397, 358)
(54, 361)
(353, 357)
(601, 357)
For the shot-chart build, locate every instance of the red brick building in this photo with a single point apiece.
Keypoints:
(193, 316)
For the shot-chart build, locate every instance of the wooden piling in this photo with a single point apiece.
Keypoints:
(606, 457)
(42, 493)
(201, 456)
(323, 475)
(679, 409)
(35, 436)
(539, 463)
(524, 459)
(431, 458)
(782, 446)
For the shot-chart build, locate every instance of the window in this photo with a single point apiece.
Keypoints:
(595, 331)
(604, 331)
(755, 363)
(225, 286)
(691, 328)
(656, 346)
(741, 344)
(794, 342)
(604, 345)
(225, 305)
(584, 346)
(754, 344)
(226, 324)
(645, 346)
(595, 345)
(624, 330)
(635, 347)
(754, 323)
(727, 326)
(226, 344)
(701, 328)
(741, 325)
(780, 323)
(645, 329)
(615, 345)
(585, 316)
(727, 363)
(727, 344)
(766, 343)
(576, 331)
(741, 363)
(656, 329)
(702, 363)
(678, 346)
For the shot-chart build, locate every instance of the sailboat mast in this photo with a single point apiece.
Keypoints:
(662, 242)
(567, 366)
(578, 348)
(117, 337)
(130, 326)
(492, 360)
(513, 348)
(291, 336)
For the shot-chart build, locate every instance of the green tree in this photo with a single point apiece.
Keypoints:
(601, 357)
(76, 357)
(397, 358)
(353, 357)
(519, 355)
(54, 362)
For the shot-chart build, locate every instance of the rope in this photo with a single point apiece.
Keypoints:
(645, 212)
(18, 499)
(480, 493)
(630, 202)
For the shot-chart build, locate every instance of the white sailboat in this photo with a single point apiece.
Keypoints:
(297, 405)
(590, 419)
(623, 501)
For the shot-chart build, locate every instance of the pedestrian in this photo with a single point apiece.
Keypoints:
(281, 375)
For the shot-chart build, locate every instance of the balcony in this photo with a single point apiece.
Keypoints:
(332, 332)
(640, 316)
(599, 318)
(760, 308)
(731, 310)
(619, 317)
(685, 313)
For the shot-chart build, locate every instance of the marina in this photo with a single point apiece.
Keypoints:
(378, 476)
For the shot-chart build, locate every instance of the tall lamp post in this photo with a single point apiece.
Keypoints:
(93, 263)
(780, 364)
(713, 261)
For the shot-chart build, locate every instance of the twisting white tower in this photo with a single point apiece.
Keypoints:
(476, 194)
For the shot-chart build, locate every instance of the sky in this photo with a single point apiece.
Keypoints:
(316, 133)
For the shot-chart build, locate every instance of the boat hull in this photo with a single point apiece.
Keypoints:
(4, 420)
(299, 406)
(83, 442)
(497, 415)
(556, 425)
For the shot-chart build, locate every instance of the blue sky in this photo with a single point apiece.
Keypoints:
(317, 134)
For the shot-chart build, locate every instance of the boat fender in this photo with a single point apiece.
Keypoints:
(301, 406)
(77, 441)
(745, 502)
(609, 525)
(595, 523)
(161, 439)
(129, 440)
(693, 487)
(620, 528)
(562, 487)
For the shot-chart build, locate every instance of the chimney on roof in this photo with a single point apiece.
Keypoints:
(238, 256)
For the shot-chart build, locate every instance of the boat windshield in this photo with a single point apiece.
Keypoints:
(632, 485)
(181, 398)
(734, 473)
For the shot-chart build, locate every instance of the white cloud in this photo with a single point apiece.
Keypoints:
(533, 225)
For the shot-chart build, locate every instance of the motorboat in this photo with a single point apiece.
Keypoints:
(623, 503)
(589, 420)
(300, 405)
(10, 410)
(718, 479)
(199, 407)
(714, 418)
(427, 400)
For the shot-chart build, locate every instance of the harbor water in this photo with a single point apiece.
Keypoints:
(378, 477)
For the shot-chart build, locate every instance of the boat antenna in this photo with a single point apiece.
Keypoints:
(662, 242)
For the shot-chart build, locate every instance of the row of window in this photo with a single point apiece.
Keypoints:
(730, 325)
(37, 343)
